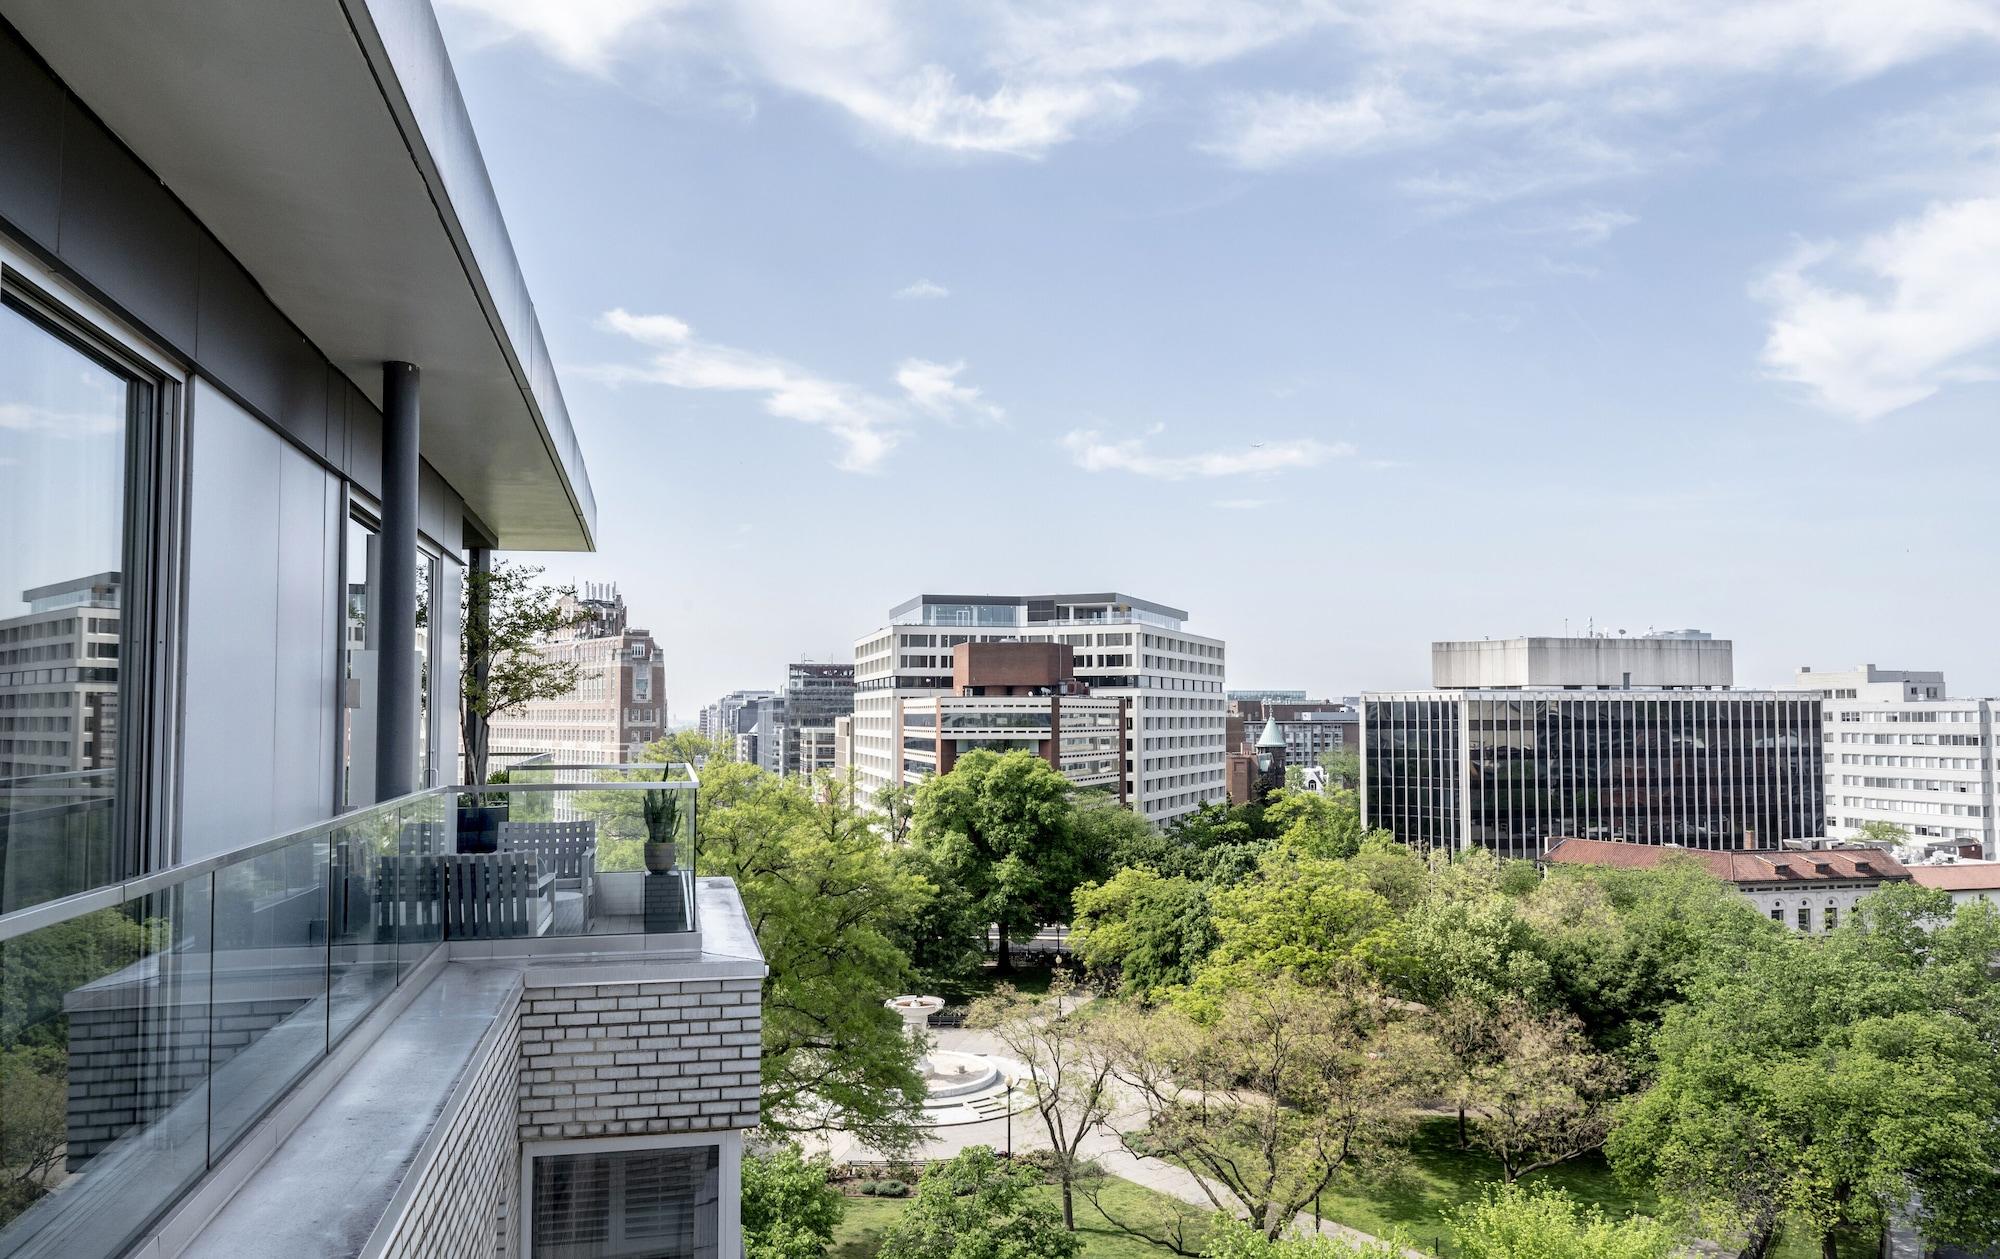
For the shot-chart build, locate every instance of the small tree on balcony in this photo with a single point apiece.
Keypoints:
(508, 613)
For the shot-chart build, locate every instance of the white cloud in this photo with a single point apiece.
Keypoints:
(1496, 101)
(1274, 128)
(1917, 310)
(868, 426)
(1090, 451)
(934, 389)
(919, 290)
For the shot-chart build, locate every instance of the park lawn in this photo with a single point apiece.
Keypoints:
(860, 1233)
(1438, 1177)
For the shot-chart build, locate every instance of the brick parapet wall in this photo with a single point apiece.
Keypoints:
(466, 1200)
(639, 1058)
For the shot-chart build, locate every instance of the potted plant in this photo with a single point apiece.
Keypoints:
(480, 816)
(663, 828)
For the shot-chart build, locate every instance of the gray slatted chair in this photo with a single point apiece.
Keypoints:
(407, 901)
(492, 895)
(567, 850)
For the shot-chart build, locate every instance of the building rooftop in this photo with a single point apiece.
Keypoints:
(1960, 876)
(1750, 865)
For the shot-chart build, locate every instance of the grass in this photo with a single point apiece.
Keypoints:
(1439, 1177)
(860, 1232)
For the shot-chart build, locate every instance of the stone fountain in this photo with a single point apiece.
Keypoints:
(959, 1087)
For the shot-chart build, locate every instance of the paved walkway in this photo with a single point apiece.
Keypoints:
(1027, 1133)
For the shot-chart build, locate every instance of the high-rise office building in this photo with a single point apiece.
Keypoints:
(59, 679)
(815, 696)
(1125, 648)
(1527, 741)
(726, 718)
(1019, 697)
(619, 704)
(1899, 750)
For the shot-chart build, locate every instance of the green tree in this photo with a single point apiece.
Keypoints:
(1823, 1083)
(1148, 932)
(1343, 767)
(976, 1207)
(1512, 1222)
(822, 895)
(1544, 1096)
(790, 1205)
(1315, 920)
(1003, 827)
(506, 615)
(1318, 825)
(1230, 1238)
(1623, 946)
(945, 937)
(1286, 1090)
(1069, 1072)
(1886, 833)
(1464, 953)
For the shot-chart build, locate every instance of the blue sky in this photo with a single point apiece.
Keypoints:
(1345, 326)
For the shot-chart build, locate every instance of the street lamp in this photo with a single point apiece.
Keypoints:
(1010, 1119)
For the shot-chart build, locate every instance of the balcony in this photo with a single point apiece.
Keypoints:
(151, 1032)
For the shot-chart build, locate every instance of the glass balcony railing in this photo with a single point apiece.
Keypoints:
(145, 1027)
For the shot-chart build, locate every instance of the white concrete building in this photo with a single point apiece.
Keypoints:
(1899, 751)
(1669, 659)
(1125, 648)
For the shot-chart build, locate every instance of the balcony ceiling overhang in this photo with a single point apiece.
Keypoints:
(326, 145)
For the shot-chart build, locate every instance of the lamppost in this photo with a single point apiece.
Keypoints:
(1010, 1119)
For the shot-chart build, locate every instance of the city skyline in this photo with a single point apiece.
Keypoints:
(1510, 329)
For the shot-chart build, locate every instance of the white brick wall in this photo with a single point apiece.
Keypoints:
(464, 1205)
(631, 1059)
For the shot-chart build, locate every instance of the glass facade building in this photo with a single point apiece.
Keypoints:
(1512, 771)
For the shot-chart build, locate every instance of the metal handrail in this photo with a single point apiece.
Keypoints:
(111, 895)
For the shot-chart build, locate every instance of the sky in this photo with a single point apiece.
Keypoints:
(1345, 326)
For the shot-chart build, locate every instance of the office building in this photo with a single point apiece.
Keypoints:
(816, 695)
(731, 716)
(1124, 648)
(1809, 891)
(1899, 750)
(271, 383)
(1552, 749)
(619, 704)
(1026, 697)
(59, 680)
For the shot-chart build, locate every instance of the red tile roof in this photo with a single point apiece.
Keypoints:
(1755, 865)
(1969, 877)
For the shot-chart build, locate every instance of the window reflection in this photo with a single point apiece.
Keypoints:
(64, 438)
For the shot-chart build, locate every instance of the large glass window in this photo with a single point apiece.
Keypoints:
(69, 420)
(624, 1204)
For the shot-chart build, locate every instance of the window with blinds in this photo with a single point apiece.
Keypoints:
(627, 1204)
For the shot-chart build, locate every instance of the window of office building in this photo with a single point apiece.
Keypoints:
(626, 1204)
(79, 424)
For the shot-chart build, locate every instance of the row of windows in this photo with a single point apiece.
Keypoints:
(1925, 715)
(1907, 784)
(1915, 740)
(1917, 806)
(1914, 762)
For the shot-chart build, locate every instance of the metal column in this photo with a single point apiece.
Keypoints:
(396, 678)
